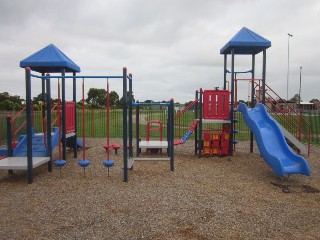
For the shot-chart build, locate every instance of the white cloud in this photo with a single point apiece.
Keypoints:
(171, 47)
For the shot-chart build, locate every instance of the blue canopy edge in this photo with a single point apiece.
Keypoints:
(49, 60)
(246, 42)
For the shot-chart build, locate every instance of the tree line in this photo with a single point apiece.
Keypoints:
(96, 98)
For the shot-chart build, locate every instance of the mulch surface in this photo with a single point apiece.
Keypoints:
(204, 198)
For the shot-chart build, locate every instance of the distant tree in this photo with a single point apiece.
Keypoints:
(8, 105)
(37, 101)
(79, 104)
(96, 97)
(4, 95)
(9, 102)
(114, 98)
(188, 103)
(314, 100)
(121, 100)
(295, 98)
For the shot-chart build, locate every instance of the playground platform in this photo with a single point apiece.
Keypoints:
(21, 163)
(153, 144)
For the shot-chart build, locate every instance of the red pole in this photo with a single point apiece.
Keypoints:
(236, 92)
(179, 128)
(92, 123)
(108, 121)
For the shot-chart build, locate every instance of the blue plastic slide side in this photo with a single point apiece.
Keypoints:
(21, 147)
(39, 148)
(271, 142)
(3, 151)
(55, 137)
(79, 143)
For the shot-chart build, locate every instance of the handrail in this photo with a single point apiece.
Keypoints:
(178, 115)
(13, 121)
(24, 123)
(236, 87)
(293, 120)
(294, 124)
(56, 106)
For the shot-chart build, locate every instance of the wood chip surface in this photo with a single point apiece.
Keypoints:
(204, 198)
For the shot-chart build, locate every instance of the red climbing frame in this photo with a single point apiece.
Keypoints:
(216, 104)
(154, 125)
(151, 127)
(70, 117)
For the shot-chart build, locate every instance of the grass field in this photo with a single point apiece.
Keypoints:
(96, 122)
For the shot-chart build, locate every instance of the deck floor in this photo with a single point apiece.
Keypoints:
(21, 163)
(153, 144)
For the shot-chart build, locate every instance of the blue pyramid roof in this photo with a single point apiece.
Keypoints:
(246, 42)
(49, 60)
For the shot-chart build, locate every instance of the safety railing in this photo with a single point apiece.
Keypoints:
(249, 80)
(181, 113)
(290, 118)
(16, 120)
(56, 121)
(178, 115)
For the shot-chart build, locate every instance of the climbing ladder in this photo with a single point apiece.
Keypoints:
(188, 133)
(39, 140)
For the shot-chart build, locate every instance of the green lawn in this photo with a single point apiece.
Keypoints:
(96, 122)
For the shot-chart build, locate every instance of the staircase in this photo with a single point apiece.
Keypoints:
(39, 148)
(295, 128)
(39, 140)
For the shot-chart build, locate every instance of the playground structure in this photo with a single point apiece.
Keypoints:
(154, 126)
(271, 142)
(50, 59)
(151, 145)
(213, 106)
(34, 149)
(284, 161)
(219, 107)
(214, 109)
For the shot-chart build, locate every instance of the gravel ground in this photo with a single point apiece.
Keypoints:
(207, 198)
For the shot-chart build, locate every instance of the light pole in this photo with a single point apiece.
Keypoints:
(300, 86)
(289, 36)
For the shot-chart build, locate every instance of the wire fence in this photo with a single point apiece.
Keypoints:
(96, 124)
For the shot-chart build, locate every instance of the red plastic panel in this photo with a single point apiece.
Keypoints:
(225, 138)
(70, 117)
(154, 125)
(216, 104)
(206, 136)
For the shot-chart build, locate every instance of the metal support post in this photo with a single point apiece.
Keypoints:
(125, 126)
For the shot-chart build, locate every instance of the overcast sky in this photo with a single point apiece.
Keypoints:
(172, 47)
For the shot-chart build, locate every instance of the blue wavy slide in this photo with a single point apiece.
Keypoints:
(271, 142)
